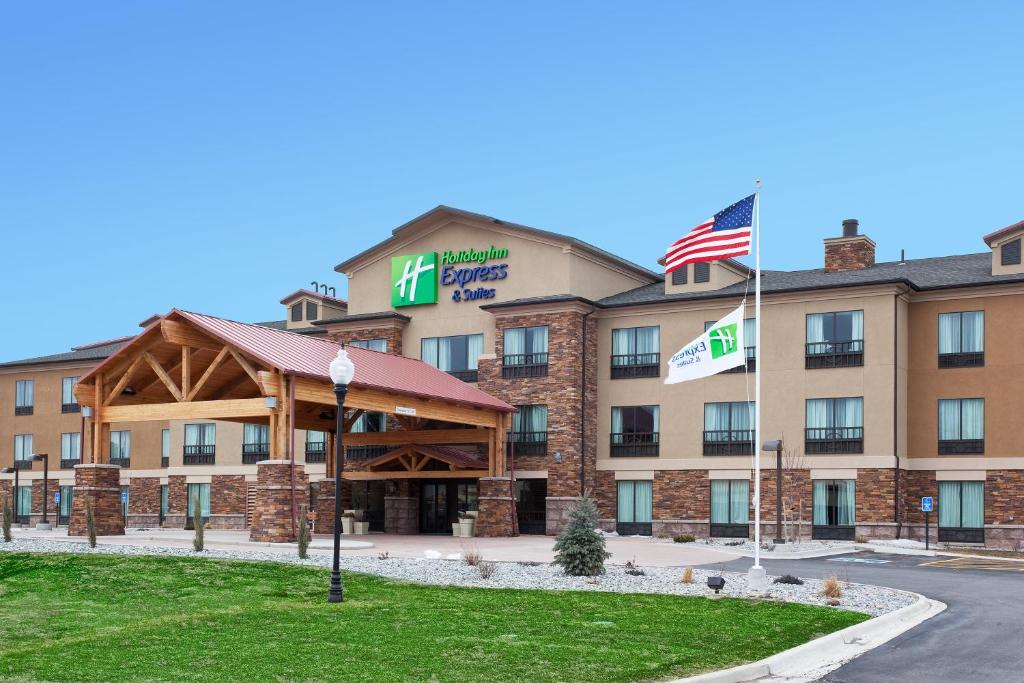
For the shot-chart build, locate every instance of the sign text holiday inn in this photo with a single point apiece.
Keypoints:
(415, 277)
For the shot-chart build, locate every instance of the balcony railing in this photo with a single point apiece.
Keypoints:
(121, 462)
(630, 365)
(634, 444)
(23, 410)
(22, 464)
(464, 375)
(252, 453)
(70, 408)
(751, 364)
(965, 446)
(203, 454)
(528, 443)
(729, 442)
(524, 365)
(364, 452)
(829, 440)
(165, 461)
(316, 451)
(847, 354)
(971, 359)
(70, 462)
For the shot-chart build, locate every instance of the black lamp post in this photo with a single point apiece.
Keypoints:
(46, 483)
(341, 370)
(776, 446)
(14, 501)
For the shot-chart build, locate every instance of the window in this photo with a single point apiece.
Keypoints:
(834, 509)
(316, 446)
(24, 505)
(297, 312)
(702, 272)
(70, 449)
(165, 500)
(255, 443)
(68, 402)
(749, 344)
(456, 355)
(636, 352)
(634, 431)
(835, 340)
(311, 310)
(198, 494)
(23, 451)
(66, 504)
(120, 448)
(529, 431)
(525, 352)
(24, 396)
(373, 344)
(679, 275)
(962, 339)
(1010, 253)
(729, 428)
(961, 425)
(834, 425)
(200, 444)
(367, 422)
(634, 507)
(165, 447)
(730, 508)
(961, 511)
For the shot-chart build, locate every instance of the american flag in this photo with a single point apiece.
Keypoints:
(724, 235)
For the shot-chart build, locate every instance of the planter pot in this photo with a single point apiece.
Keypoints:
(346, 525)
(467, 529)
(357, 515)
(456, 529)
(361, 528)
(473, 513)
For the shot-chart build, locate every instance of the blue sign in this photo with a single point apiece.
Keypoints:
(926, 504)
(124, 496)
(56, 497)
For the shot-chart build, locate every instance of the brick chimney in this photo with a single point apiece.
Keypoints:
(849, 252)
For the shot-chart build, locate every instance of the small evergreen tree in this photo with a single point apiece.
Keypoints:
(303, 533)
(197, 521)
(90, 524)
(7, 519)
(580, 547)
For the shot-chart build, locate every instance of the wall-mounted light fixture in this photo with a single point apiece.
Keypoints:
(270, 402)
(558, 456)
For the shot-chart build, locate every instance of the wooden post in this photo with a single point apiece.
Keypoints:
(330, 454)
(186, 371)
(97, 422)
(272, 435)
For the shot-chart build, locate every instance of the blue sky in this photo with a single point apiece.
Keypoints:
(216, 156)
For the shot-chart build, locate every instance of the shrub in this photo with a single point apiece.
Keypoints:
(487, 569)
(303, 534)
(684, 538)
(860, 539)
(471, 555)
(7, 519)
(580, 547)
(90, 524)
(687, 576)
(384, 556)
(832, 588)
(790, 579)
(197, 521)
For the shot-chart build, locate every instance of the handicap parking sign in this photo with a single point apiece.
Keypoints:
(926, 504)
(56, 497)
(124, 496)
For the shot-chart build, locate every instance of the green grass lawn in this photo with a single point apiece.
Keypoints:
(110, 618)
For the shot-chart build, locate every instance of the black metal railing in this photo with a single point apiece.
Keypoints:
(365, 452)
(970, 359)
(252, 453)
(464, 375)
(635, 444)
(70, 462)
(751, 364)
(316, 451)
(22, 464)
(121, 462)
(966, 446)
(23, 410)
(961, 535)
(165, 461)
(630, 365)
(203, 454)
(528, 443)
(70, 408)
(531, 520)
(524, 365)
(833, 532)
(728, 442)
(828, 440)
(846, 354)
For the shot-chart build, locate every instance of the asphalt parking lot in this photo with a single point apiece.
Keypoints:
(979, 637)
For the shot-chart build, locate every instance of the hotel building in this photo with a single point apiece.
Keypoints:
(886, 382)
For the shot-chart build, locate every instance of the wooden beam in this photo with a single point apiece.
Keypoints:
(268, 383)
(249, 370)
(364, 475)
(181, 334)
(164, 377)
(193, 410)
(123, 382)
(424, 436)
(229, 387)
(351, 419)
(186, 370)
(214, 364)
(97, 420)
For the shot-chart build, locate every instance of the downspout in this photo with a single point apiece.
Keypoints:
(895, 413)
(583, 407)
(291, 445)
(512, 474)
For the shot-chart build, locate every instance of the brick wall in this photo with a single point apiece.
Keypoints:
(38, 498)
(272, 518)
(143, 501)
(99, 485)
(393, 335)
(495, 514)
(849, 254)
(227, 501)
(177, 502)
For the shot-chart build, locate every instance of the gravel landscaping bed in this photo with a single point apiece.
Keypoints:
(873, 600)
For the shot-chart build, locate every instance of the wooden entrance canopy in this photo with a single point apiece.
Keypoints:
(188, 366)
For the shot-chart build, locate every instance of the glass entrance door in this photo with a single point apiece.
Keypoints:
(66, 497)
(434, 508)
(531, 505)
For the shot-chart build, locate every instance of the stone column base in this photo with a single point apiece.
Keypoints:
(100, 486)
(272, 515)
(557, 510)
(495, 516)
(144, 520)
(401, 515)
(325, 504)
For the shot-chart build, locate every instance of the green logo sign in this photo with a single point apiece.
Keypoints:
(723, 340)
(414, 279)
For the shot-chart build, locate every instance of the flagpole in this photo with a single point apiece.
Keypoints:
(756, 577)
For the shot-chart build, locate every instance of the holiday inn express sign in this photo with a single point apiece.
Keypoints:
(419, 278)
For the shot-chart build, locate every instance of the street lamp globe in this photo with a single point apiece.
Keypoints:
(342, 369)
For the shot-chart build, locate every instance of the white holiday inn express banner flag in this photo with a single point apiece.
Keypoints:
(720, 348)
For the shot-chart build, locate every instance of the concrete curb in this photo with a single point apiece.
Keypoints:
(137, 540)
(805, 555)
(894, 549)
(814, 659)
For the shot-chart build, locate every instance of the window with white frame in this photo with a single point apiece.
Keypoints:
(962, 339)
(525, 351)
(24, 396)
(70, 448)
(835, 339)
(68, 400)
(834, 425)
(457, 355)
(120, 445)
(636, 352)
(372, 344)
(961, 425)
(22, 448)
(730, 502)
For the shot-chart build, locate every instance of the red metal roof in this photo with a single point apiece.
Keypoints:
(299, 354)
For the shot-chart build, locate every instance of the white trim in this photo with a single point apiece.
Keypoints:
(834, 473)
(961, 475)
(635, 475)
(743, 474)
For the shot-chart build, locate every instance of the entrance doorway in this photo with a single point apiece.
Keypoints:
(442, 501)
(531, 505)
(369, 497)
(67, 494)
